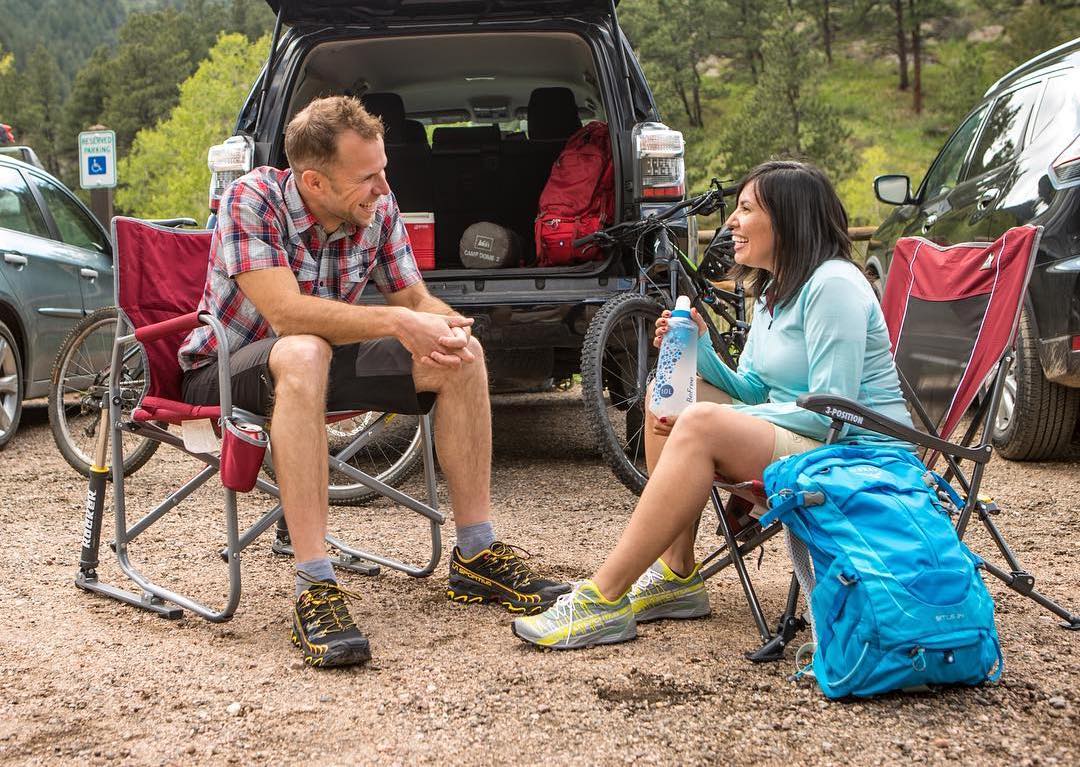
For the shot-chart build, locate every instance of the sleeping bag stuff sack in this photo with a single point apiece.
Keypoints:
(578, 198)
(898, 602)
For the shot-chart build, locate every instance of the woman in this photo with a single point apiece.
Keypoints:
(817, 328)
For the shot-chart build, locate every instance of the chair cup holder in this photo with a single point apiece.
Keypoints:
(242, 448)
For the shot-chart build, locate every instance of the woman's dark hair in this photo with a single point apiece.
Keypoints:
(809, 226)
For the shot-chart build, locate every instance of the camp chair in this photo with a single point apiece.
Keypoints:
(159, 278)
(952, 314)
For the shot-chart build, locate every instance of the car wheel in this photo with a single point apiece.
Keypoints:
(11, 385)
(875, 281)
(1036, 417)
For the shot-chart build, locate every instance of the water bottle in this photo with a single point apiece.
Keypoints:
(675, 387)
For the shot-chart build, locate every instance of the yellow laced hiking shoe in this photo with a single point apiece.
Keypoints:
(659, 593)
(324, 630)
(581, 618)
(500, 574)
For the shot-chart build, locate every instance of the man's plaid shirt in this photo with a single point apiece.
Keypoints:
(262, 224)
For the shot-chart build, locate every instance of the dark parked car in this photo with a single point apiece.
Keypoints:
(55, 267)
(478, 100)
(1015, 159)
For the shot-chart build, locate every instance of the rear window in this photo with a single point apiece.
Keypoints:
(1058, 117)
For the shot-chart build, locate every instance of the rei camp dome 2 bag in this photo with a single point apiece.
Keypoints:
(898, 602)
(578, 198)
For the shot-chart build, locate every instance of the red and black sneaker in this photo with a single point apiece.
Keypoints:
(324, 630)
(499, 574)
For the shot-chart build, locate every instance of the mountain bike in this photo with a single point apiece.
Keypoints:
(618, 353)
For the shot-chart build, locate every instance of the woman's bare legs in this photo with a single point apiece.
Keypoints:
(699, 447)
(679, 556)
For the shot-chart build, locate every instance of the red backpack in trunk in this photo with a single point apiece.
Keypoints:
(578, 199)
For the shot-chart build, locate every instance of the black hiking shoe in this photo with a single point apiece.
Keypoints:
(499, 574)
(324, 630)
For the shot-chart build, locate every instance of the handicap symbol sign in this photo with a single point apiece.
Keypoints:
(96, 165)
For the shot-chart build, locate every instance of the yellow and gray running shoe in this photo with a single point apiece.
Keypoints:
(659, 593)
(324, 630)
(581, 618)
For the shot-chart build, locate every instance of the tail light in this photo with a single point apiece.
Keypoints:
(1065, 169)
(659, 165)
(228, 162)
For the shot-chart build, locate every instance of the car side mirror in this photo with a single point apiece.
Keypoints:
(894, 189)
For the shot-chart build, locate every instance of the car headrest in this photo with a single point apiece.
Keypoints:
(480, 137)
(391, 109)
(553, 114)
(415, 132)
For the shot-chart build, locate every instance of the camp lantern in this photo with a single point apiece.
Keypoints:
(659, 165)
(228, 162)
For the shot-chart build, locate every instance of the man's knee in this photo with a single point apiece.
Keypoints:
(302, 361)
(444, 378)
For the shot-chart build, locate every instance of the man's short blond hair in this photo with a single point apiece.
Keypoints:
(311, 136)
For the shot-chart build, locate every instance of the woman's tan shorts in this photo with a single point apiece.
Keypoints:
(787, 442)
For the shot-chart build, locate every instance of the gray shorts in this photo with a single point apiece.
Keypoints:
(369, 375)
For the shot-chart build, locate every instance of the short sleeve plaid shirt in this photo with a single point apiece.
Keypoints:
(263, 223)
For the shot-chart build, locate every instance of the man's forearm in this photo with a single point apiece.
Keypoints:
(338, 322)
(435, 306)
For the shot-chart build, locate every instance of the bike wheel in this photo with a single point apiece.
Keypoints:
(391, 452)
(615, 362)
(80, 381)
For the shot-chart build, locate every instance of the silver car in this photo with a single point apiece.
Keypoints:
(55, 268)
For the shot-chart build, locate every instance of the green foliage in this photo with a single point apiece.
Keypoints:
(784, 114)
(71, 30)
(1037, 28)
(166, 175)
(965, 71)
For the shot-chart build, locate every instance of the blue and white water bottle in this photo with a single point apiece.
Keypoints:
(675, 387)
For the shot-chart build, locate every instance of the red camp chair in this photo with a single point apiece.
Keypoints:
(160, 274)
(952, 314)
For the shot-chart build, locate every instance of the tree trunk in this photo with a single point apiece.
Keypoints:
(901, 43)
(699, 120)
(685, 101)
(916, 57)
(826, 29)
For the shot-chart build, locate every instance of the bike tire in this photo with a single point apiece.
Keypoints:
(75, 408)
(612, 391)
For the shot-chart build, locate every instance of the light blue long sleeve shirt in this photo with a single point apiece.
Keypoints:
(830, 338)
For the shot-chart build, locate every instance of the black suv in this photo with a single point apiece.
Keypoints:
(1015, 159)
(478, 99)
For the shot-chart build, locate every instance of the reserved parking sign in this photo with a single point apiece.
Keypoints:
(97, 159)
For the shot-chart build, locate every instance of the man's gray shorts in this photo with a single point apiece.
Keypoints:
(369, 375)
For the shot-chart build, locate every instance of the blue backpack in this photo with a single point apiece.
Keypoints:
(898, 602)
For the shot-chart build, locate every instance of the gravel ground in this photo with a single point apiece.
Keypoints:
(90, 681)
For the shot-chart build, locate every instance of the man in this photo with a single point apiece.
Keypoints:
(291, 254)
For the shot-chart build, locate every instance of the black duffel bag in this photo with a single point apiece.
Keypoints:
(485, 245)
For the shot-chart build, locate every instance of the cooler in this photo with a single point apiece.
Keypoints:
(421, 228)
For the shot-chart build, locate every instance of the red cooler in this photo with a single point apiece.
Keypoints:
(421, 228)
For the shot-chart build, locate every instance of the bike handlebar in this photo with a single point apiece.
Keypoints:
(704, 204)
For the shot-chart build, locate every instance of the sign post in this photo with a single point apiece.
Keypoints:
(97, 170)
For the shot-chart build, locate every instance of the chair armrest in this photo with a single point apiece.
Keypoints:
(168, 327)
(846, 411)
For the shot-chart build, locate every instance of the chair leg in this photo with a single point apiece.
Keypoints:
(740, 568)
(1018, 578)
(787, 626)
(282, 546)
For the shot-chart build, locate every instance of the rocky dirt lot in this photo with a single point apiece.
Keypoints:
(88, 681)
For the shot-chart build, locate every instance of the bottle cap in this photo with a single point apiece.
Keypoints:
(682, 307)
